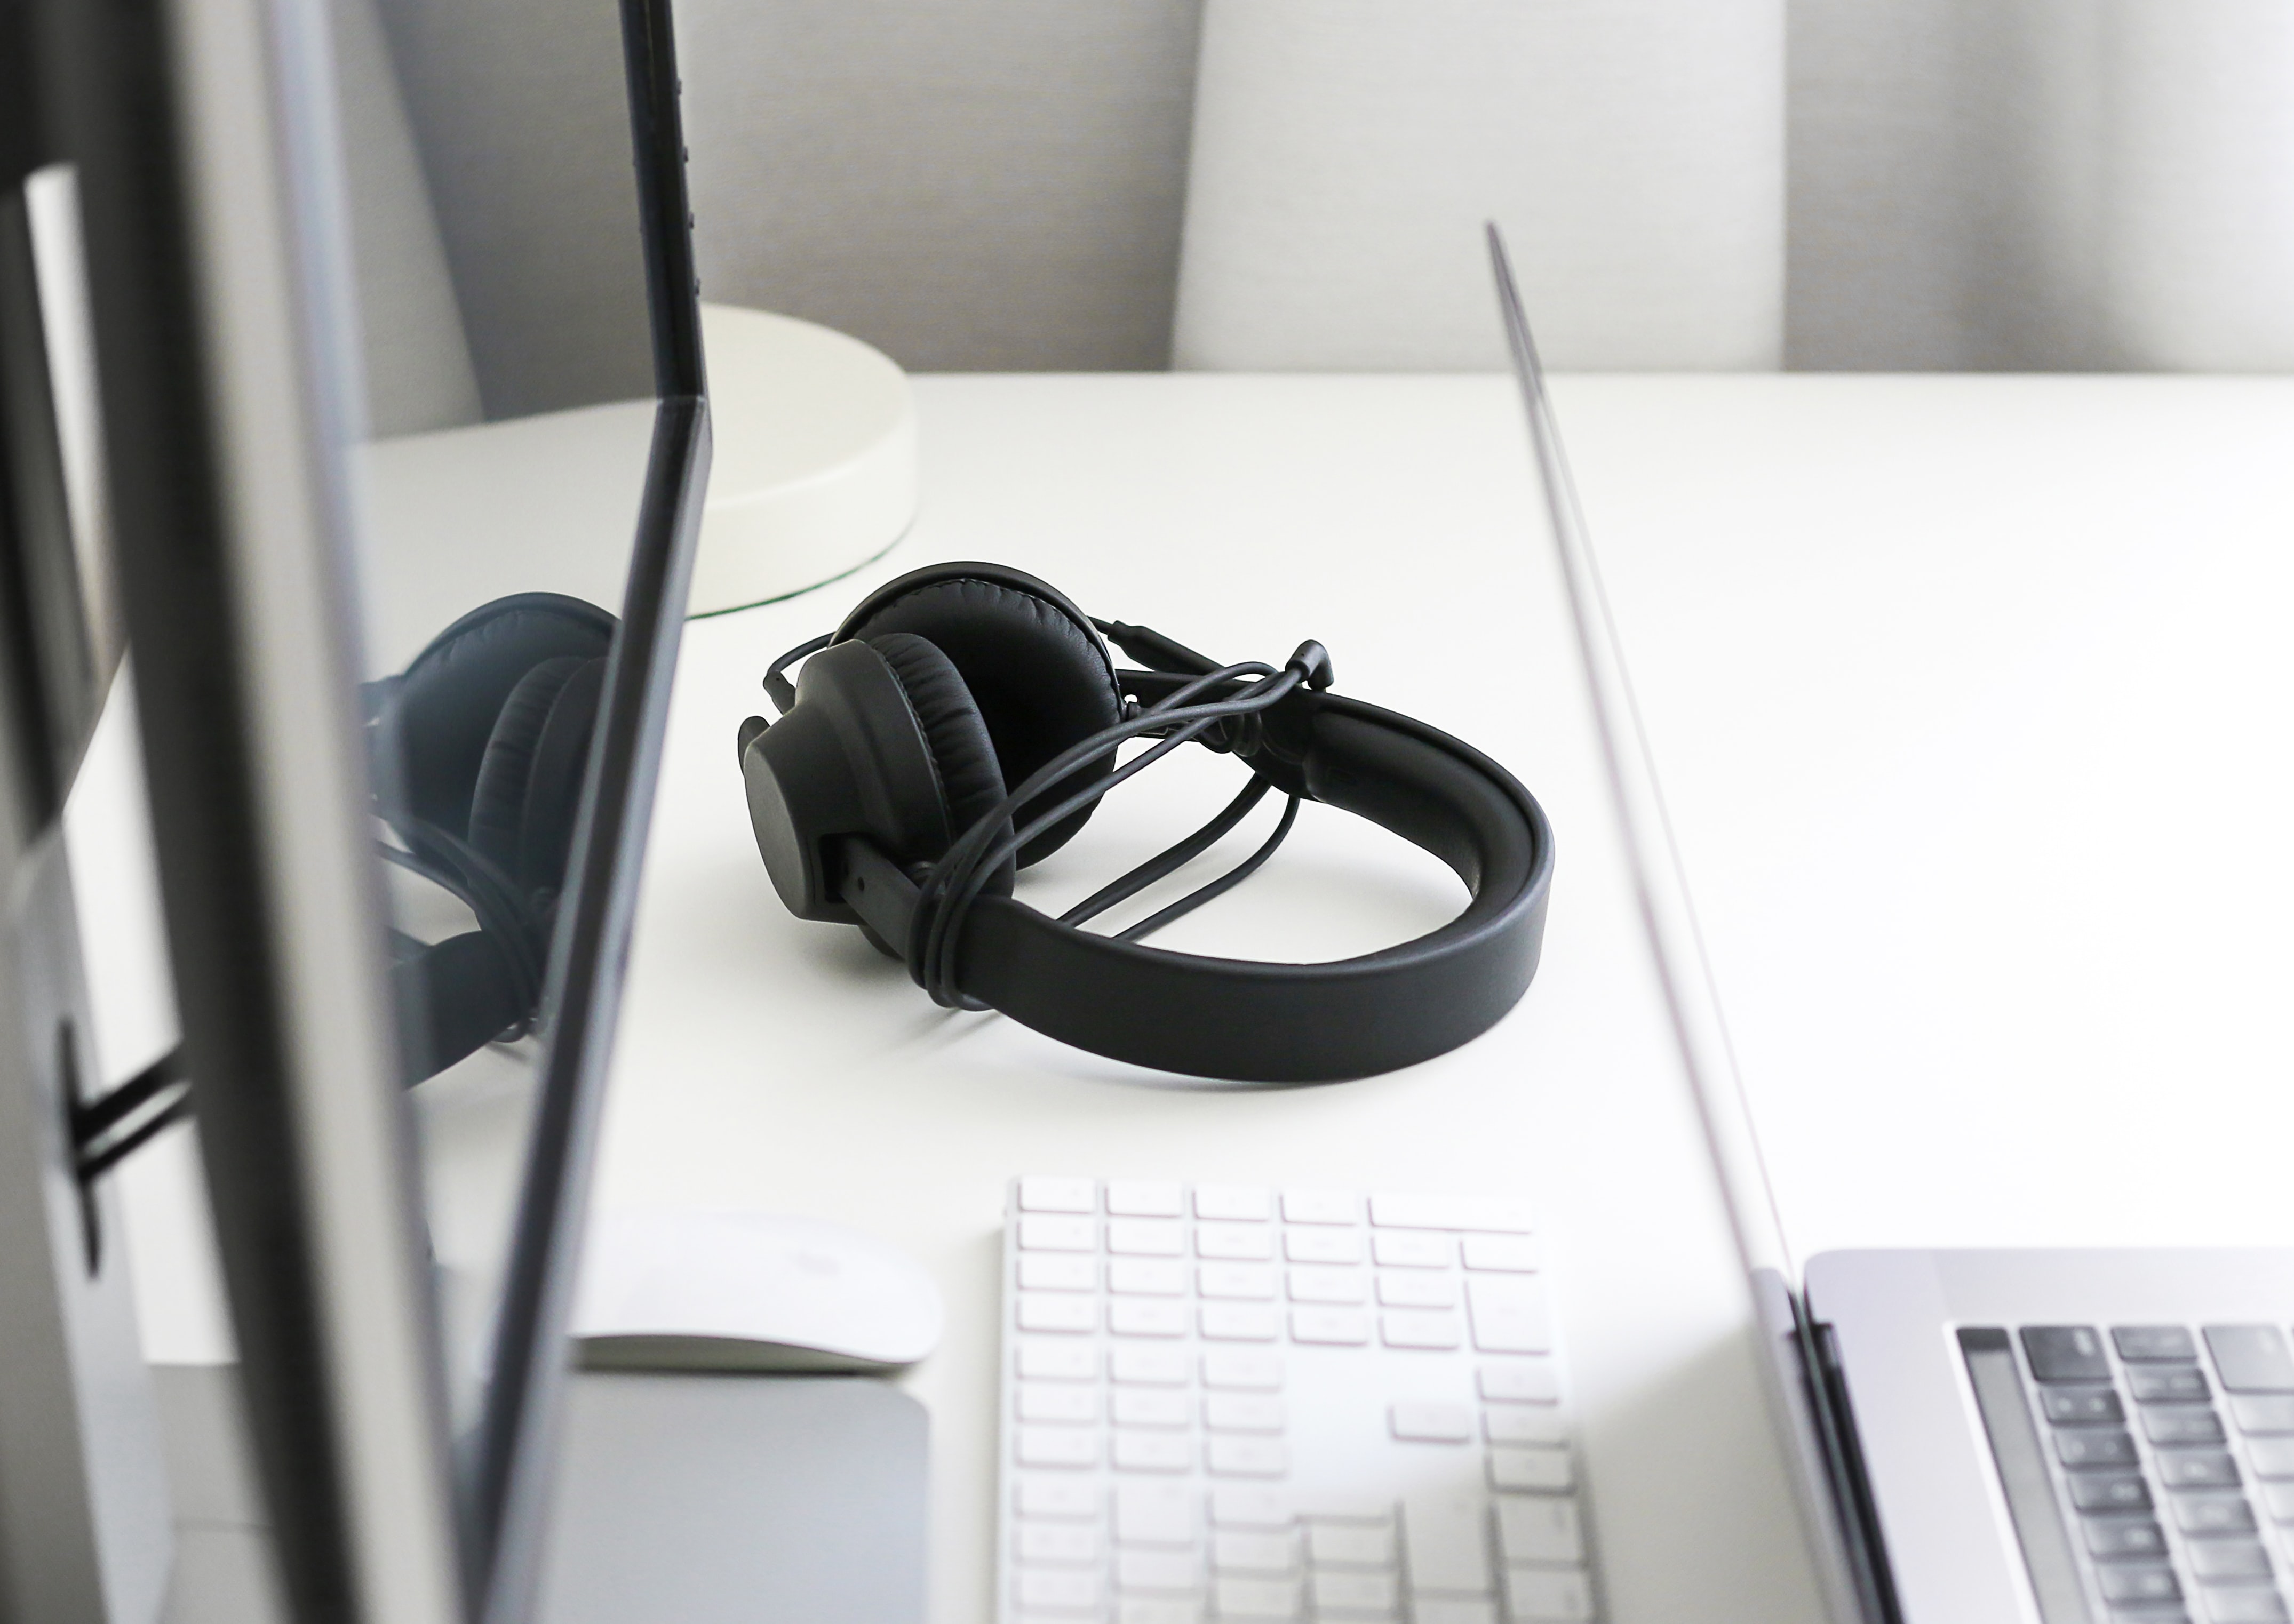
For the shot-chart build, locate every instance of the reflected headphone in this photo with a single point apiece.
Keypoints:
(962, 723)
(478, 750)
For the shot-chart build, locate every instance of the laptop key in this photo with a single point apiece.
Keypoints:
(2139, 1343)
(2065, 1353)
(2213, 1513)
(2264, 1413)
(2197, 1469)
(2110, 1491)
(2183, 1385)
(2229, 1559)
(2081, 1405)
(2243, 1605)
(2173, 1423)
(2148, 1582)
(2092, 1448)
(2118, 1538)
(2251, 1358)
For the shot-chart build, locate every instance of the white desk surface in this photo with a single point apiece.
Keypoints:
(1967, 694)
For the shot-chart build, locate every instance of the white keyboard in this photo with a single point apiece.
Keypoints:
(1234, 1403)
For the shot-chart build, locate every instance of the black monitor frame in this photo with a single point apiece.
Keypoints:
(129, 104)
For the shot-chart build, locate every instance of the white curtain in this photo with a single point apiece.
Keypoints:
(2032, 184)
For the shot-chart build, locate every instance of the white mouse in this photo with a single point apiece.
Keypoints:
(744, 1291)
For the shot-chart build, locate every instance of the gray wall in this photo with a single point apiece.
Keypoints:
(967, 184)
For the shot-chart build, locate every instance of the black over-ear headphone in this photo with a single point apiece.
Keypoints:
(478, 752)
(963, 721)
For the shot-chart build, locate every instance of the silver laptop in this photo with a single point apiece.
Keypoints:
(1977, 1437)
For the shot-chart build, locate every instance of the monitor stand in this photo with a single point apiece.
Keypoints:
(701, 1499)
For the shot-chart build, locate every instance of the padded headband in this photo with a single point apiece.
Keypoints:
(1255, 1021)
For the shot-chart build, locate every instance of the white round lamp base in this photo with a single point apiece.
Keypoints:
(814, 469)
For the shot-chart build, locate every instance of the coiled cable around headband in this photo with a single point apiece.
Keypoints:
(956, 882)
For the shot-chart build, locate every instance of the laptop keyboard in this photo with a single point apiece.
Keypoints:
(2169, 1451)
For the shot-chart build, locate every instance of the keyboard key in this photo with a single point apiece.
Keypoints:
(1145, 1238)
(1146, 1317)
(2111, 1539)
(2278, 1501)
(1143, 1198)
(1405, 1329)
(1229, 1456)
(1147, 1277)
(1250, 1282)
(1444, 1537)
(2263, 1413)
(1156, 1570)
(1152, 1452)
(2110, 1491)
(2065, 1353)
(1539, 1528)
(1066, 1361)
(1508, 1315)
(1520, 1384)
(1233, 1201)
(1333, 1326)
(1154, 1514)
(2087, 1450)
(1058, 1271)
(1066, 1499)
(1356, 1592)
(1426, 1610)
(1042, 1402)
(1497, 1213)
(1245, 1506)
(2172, 1424)
(1234, 1242)
(1542, 1596)
(1058, 1446)
(1048, 1313)
(2212, 1514)
(1047, 1234)
(1509, 1254)
(1431, 1423)
(1523, 1424)
(2251, 1358)
(1320, 1206)
(2229, 1559)
(2081, 1405)
(1241, 1412)
(1257, 1599)
(1051, 1590)
(1400, 1289)
(1242, 1368)
(1043, 1195)
(1148, 1366)
(1157, 1610)
(1149, 1406)
(1329, 1285)
(1352, 1544)
(1240, 1322)
(2243, 1605)
(2197, 1469)
(1233, 1551)
(1404, 1249)
(2174, 1384)
(2140, 1342)
(1539, 1470)
(2271, 1456)
(1323, 1245)
(1057, 1545)
(1343, 1506)
(2145, 1582)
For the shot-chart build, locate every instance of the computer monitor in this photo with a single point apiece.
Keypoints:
(399, 359)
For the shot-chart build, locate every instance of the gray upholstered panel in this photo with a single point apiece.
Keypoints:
(967, 184)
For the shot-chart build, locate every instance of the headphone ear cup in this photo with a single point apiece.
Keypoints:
(962, 756)
(1031, 663)
(529, 784)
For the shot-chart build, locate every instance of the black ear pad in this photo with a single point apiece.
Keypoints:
(971, 781)
(529, 783)
(438, 721)
(1032, 663)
